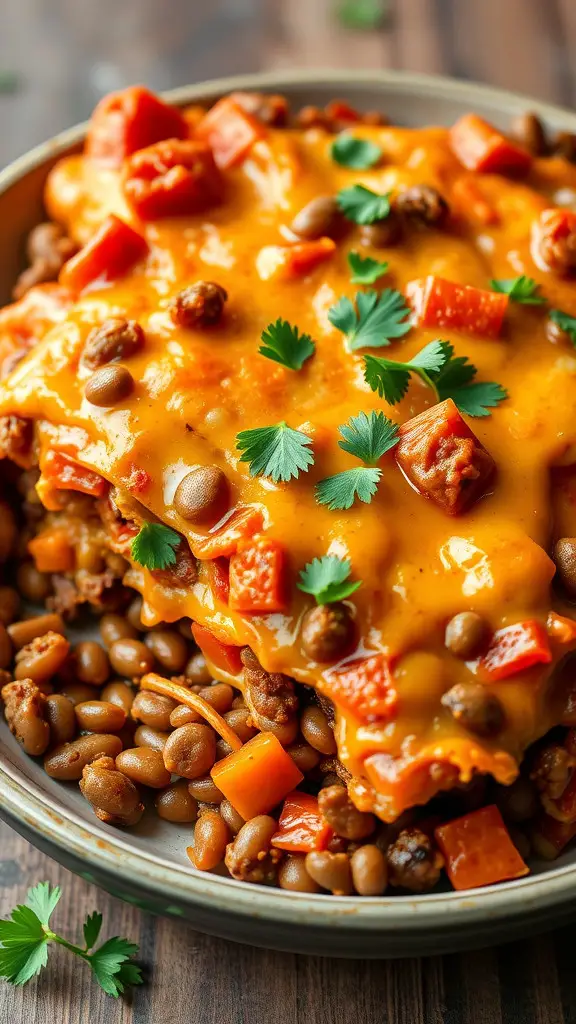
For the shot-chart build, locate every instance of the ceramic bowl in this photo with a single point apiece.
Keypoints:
(148, 865)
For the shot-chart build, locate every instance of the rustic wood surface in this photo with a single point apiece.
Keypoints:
(56, 58)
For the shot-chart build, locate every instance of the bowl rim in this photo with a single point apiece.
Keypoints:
(27, 806)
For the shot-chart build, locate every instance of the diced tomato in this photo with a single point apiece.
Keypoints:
(470, 202)
(459, 307)
(219, 576)
(339, 110)
(173, 178)
(560, 628)
(109, 254)
(230, 131)
(551, 836)
(481, 147)
(301, 827)
(258, 576)
(364, 687)
(66, 474)
(223, 656)
(443, 459)
(126, 121)
(286, 262)
(478, 850)
(52, 551)
(258, 776)
(244, 522)
(514, 649)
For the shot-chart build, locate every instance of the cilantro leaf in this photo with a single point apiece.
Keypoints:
(364, 269)
(362, 205)
(341, 490)
(520, 289)
(375, 320)
(368, 437)
(285, 345)
(92, 926)
(363, 14)
(155, 546)
(278, 452)
(327, 579)
(359, 154)
(389, 378)
(477, 399)
(565, 323)
(42, 900)
(23, 960)
(109, 965)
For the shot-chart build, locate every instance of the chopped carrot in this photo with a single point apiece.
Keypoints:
(481, 147)
(222, 542)
(470, 202)
(287, 262)
(460, 307)
(109, 254)
(126, 121)
(257, 576)
(64, 473)
(514, 649)
(301, 827)
(52, 551)
(478, 850)
(364, 687)
(230, 131)
(560, 628)
(222, 656)
(257, 777)
(181, 694)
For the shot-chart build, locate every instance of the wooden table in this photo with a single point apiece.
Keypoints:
(64, 54)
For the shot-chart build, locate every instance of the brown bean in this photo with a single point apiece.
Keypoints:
(293, 876)
(67, 761)
(475, 709)
(26, 716)
(321, 216)
(219, 696)
(100, 716)
(91, 663)
(382, 233)
(115, 627)
(565, 145)
(133, 613)
(114, 339)
(518, 802)
(169, 648)
(25, 631)
(198, 305)
(76, 693)
(423, 205)
(108, 789)
(304, 756)
(338, 810)
(211, 836)
(369, 870)
(202, 496)
(190, 751)
(317, 731)
(89, 556)
(5, 647)
(205, 790)
(250, 858)
(8, 531)
(565, 558)
(176, 804)
(331, 871)
(183, 715)
(146, 736)
(118, 693)
(153, 709)
(109, 386)
(42, 657)
(528, 129)
(233, 819)
(143, 765)
(328, 632)
(130, 658)
(465, 634)
(240, 720)
(196, 670)
(9, 604)
(59, 712)
(33, 585)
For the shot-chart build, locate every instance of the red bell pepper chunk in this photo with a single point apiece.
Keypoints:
(66, 474)
(222, 656)
(109, 254)
(172, 178)
(481, 147)
(514, 649)
(223, 542)
(219, 578)
(301, 827)
(459, 307)
(364, 687)
(339, 110)
(478, 850)
(230, 131)
(258, 576)
(443, 459)
(126, 121)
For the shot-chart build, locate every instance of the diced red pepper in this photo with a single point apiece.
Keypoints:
(443, 459)
(364, 687)
(230, 131)
(287, 262)
(514, 649)
(478, 850)
(258, 576)
(66, 474)
(223, 656)
(479, 146)
(301, 827)
(109, 254)
(223, 542)
(560, 628)
(173, 178)
(339, 110)
(126, 121)
(459, 307)
(219, 577)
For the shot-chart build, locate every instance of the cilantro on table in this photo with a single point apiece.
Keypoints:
(374, 321)
(327, 579)
(368, 438)
(283, 343)
(155, 546)
(364, 269)
(447, 375)
(359, 154)
(520, 289)
(24, 941)
(277, 452)
(363, 14)
(565, 323)
(362, 205)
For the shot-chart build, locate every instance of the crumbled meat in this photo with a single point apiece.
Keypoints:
(414, 862)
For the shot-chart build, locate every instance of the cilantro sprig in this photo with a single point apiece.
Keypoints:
(520, 289)
(362, 205)
(364, 269)
(367, 438)
(282, 342)
(358, 154)
(155, 546)
(327, 579)
(277, 452)
(25, 938)
(374, 319)
(565, 323)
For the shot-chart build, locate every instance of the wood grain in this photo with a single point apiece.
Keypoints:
(67, 53)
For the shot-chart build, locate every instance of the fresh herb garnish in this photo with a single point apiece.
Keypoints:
(520, 289)
(327, 579)
(277, 452)
(368, 438)
(24, 941)
(447, 375)
(375, 320)
(283, 343)
(359, 154)
(565, 323)
(364, 269)
(363, 14)
(155, 546)
(362, 205)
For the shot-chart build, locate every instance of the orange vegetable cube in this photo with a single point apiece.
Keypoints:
(301, 827)
(52, 551)
(66, 474)
(172, 178)
(286, 262)
(478, 850)
(471, 203)
(131, 119)
(109, 254)
(514, 649)
(222, 656)
(481, 147)
(230, 131)
(364, 687)
(459, 307)
(258, 776)
(257, 576)
(244, 522)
